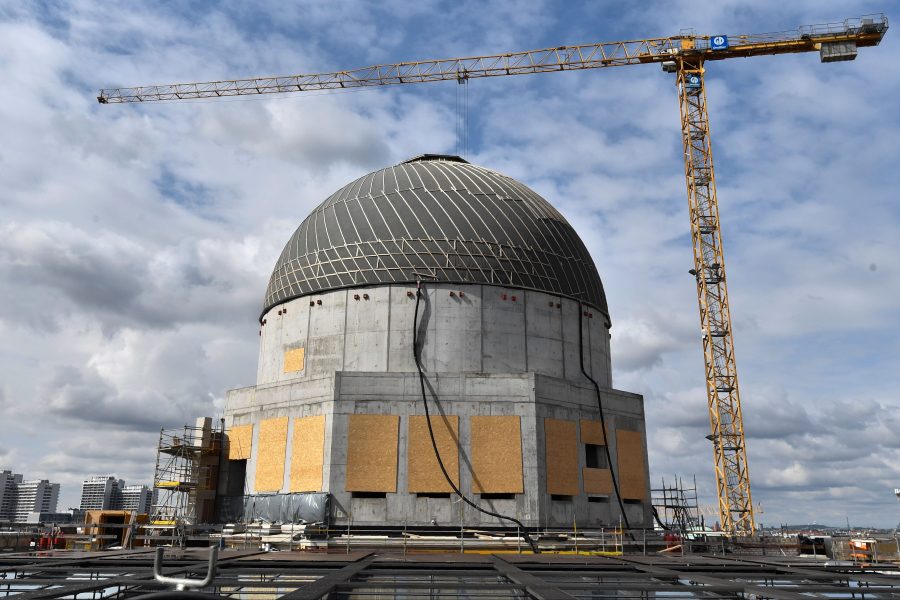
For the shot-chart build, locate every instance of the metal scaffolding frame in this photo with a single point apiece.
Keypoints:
(183, 472)
(676, 505)
(255, 574)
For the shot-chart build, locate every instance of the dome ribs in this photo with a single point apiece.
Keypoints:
(456, 222)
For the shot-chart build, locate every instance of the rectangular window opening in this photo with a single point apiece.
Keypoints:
(598, 498)
(237, 473)
(496, 496)
(560, 498)
(631, 501)
(433, 495)
(595, 456)
(369, 495)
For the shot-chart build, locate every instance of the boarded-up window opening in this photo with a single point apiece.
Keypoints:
(561, 447)
(372, 446)
(308, 454)
(240, 441)
(424, 475)
(270, 454)
(632, 472)
(496, 443)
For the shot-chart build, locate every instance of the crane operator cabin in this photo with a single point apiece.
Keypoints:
(511, 331)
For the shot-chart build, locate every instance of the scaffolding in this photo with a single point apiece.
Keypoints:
(184, 482)
(676, 506)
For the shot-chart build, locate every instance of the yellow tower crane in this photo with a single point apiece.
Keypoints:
(685, 56)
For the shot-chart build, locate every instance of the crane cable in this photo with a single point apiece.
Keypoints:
(437, 453)
(612, 471)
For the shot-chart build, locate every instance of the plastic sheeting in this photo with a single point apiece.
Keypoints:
(287, 508)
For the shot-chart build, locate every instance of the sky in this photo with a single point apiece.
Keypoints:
(136, 241)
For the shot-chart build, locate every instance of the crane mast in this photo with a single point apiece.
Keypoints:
(684, 55)
(722, 392)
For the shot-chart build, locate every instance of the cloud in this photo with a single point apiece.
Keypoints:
(123, 282)
(640, 344)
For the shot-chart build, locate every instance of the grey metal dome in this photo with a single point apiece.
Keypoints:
(441, 218)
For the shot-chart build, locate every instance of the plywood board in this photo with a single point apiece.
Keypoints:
(372, 453)
(294, 360)
(632, 472)
(592, 433)
(272, 445)
(496, 455)
(308, 454)
(423, 471)
(240, 440)
(561, 447)
(597, 481)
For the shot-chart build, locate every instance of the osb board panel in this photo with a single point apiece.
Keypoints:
(423, 471)
(240, 440)
(561, 447)
(632, 475)
(597, 481)
(592, 433)
(294, 360)
(270, 454)
(308, 454)
(372, 453)
(496, 455)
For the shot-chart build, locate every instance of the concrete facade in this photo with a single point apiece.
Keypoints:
(478, 329)
(487, 350)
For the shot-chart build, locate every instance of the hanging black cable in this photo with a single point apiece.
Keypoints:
(437, 453)
(600, 408)
(658, 520)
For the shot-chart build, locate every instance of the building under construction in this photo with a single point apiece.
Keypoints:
(437, 285)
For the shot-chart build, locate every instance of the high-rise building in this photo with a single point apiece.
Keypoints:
(109, 493)
(18, 498)
(137, 498)
(36, 496)
(8, 493)
(100, 493)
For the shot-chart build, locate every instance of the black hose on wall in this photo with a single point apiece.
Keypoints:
(612, 471)
(437, 454)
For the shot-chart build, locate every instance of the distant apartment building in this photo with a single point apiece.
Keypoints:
(137, 497)
(109, 493)
(37, 496)
(100, 493)
(8, 493)
(19, 498)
